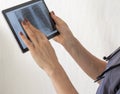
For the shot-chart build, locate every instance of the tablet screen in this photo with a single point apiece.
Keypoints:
(37, 13)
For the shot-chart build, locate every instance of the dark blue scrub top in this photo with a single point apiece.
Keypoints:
(110, 84)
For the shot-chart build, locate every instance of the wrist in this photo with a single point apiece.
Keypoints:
(58, 70)
(54, 69)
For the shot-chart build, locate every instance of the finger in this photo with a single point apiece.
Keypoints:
(28, 43)
(29, 31)
(35, 30)
(57, 20)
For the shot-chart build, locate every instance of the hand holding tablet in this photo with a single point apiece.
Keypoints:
(39, 46)
(38, 15)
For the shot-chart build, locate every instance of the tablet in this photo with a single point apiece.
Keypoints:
(37, 13)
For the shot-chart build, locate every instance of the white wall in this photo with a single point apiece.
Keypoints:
(96, 23)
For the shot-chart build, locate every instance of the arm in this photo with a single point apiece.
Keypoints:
(89, 63)
(41, 49)
(61, 82)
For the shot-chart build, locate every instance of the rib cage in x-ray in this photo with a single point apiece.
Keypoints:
(37, 17)
(42, 16)
(27, 14)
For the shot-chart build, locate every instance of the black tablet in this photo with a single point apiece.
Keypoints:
(37, 13)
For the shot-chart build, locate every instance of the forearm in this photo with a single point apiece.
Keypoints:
(89, 63)
(61, 82)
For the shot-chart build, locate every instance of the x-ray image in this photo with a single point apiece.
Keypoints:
(38, 15)
(25, 13)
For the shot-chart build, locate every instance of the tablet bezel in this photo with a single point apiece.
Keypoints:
(11, 27)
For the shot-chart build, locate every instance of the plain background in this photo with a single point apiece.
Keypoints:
(95, 23)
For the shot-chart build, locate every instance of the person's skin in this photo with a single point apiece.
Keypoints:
(41, 49)
(89, 63)
(44, 55)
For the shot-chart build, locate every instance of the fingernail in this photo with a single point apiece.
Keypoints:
(26, 20)
(21, 33)
(53, 12)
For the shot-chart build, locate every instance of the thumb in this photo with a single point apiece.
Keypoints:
(55, 18)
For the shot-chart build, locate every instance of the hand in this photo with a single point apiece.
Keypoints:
(65, 33)
(45, 57)
(40, 47)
